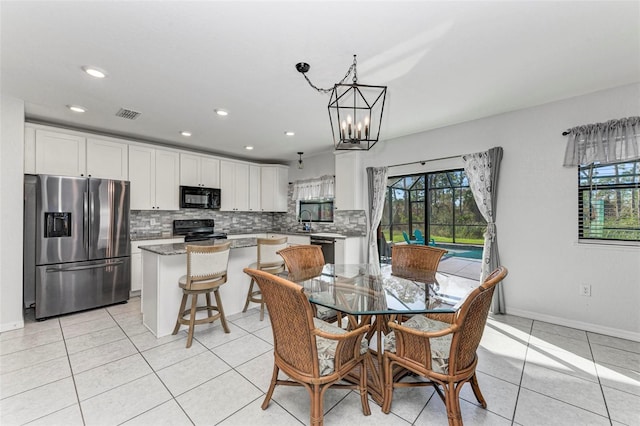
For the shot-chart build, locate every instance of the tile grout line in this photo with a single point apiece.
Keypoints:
(153, 370)
(595, 364)
(73, 377)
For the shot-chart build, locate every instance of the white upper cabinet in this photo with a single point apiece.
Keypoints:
(274, 187)
(60, 154)
(69, 154)
(234, 186)
(107, 159)
(154, 176)
(349, 180)
(254, 188)
(199, 170)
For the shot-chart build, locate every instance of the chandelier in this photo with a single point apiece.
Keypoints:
(355, 110)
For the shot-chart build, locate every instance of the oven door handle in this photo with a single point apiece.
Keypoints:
(323, 241)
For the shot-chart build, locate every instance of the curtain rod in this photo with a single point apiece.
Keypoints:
(426, 161)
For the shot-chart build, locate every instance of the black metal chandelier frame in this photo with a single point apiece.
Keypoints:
(355, 110)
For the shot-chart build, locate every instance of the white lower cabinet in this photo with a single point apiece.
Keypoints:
(348, 250)
(136, 259)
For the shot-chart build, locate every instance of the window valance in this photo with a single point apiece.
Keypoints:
(610, 142)
(314, 189)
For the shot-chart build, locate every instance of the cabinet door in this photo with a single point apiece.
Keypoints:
(242, 187)
(274, 187)
(107, 159)
(281, 189)
(227, 186)
(254, 188)
(60, 154)
(167, 180)
(142, 175)
(267, 185)
(136, 271)
(210, 172)
(338, 251)
(189, 170)
(349, 180)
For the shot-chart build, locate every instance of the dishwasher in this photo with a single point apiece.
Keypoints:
(328, 247)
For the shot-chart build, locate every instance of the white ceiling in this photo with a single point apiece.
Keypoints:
(175, 62)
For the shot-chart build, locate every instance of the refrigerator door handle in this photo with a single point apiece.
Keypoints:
(86, 222)
(82, 268)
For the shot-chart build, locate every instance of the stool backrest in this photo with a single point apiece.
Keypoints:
(268, 257)
(207, 263)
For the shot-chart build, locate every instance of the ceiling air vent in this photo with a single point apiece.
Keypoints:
(129, 114)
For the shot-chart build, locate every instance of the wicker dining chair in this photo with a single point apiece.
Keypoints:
(301, 258)
(416, 256)
(312, 353)
(443, 352)
(206, 272)
(268, 260)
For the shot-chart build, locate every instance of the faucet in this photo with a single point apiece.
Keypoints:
(308, 226)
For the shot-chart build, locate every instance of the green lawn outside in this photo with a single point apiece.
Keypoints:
(397, 238)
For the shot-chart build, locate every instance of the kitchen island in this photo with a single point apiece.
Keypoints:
(164, 264)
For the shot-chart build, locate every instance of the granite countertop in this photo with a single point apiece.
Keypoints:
(180, 248)
(151, 237)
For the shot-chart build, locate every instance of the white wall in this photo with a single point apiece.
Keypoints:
(11, 202)
(537, 211)
(314, 166)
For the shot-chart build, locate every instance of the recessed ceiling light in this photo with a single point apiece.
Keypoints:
(94, 72)
(76, 108)
(248, 148)
(185, 133)
(221, 112)
(289, 133)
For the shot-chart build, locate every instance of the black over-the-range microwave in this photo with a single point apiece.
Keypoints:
(196, 197)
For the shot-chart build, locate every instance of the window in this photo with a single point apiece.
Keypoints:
(438, 204)
(316, 211)
(609, 201)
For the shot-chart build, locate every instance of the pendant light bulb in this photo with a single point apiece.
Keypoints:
(300, 163)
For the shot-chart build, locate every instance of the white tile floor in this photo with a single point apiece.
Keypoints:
(102, 367)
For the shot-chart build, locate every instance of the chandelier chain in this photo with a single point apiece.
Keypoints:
(351, 69)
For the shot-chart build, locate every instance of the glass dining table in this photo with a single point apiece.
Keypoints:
(372, 294)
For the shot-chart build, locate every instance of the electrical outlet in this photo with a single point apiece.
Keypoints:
(152, 221)
(585, 290)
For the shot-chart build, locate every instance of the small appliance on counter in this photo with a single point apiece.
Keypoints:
(197, 230)
(76, 243)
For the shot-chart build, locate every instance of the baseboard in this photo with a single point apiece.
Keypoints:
(594, 328)
(11, 326)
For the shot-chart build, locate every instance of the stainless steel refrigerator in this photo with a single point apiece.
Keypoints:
(76, 243)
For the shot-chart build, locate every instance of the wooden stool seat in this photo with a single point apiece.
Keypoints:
(206, 272)
(269, 261)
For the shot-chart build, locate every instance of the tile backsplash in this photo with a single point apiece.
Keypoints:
(152, 223)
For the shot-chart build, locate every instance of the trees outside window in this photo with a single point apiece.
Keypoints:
(609, 201)
(439, 204)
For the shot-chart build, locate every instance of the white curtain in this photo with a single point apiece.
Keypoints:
(314, 189)
(610, 142)
(482, 170)
(377, 183)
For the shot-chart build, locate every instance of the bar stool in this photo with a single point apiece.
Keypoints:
(206, 272)
(269, 261)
